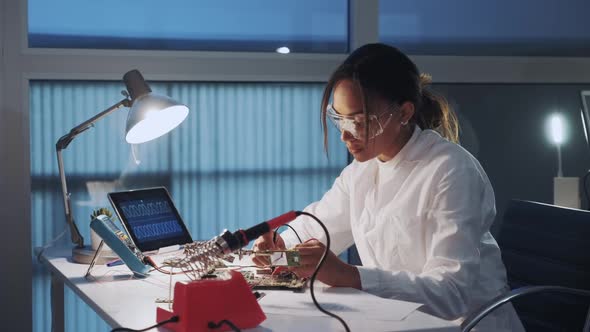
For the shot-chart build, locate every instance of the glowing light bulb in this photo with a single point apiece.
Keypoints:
(557, 129)
(557, 133)
(283, 50)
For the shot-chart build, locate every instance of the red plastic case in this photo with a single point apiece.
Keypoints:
(212, 300)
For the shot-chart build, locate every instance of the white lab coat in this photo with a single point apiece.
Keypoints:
(421, 225)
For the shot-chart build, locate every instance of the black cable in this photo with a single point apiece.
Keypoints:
(274, 238)
(213, 325)
(172, 319)
(274, 235)
(585, 184)
(317, 269)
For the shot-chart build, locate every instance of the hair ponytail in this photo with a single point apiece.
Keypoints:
(434, 112)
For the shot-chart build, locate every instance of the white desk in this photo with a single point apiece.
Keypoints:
(124, 301)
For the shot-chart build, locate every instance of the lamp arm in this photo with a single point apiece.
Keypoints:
(63, 143)
(65, 140)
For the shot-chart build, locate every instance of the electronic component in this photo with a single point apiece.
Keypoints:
(200, 257)
(210, 300)
(286, 257)
(120, 244)
(150, 218)
(284, 280)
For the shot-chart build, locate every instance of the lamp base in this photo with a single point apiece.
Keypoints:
(85, 254)
(566, 192)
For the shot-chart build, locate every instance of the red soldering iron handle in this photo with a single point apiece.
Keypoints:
(241, 238)
(281, 220)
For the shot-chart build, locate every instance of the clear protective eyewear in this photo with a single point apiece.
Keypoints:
(356, 124)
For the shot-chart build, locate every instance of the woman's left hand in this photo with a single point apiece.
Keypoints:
(334, 272)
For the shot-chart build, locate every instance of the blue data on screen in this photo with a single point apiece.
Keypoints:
(151, 219)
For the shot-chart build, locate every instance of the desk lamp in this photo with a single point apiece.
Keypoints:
(150, 116)
(565, 189)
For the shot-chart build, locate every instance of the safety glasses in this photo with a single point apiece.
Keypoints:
(356, 124)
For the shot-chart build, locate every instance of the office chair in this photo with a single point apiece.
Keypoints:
(546, 251)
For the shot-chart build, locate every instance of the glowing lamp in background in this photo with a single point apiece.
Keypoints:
(556, 128)
(566, 190)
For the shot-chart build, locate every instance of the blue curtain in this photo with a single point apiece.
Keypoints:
(246, 153)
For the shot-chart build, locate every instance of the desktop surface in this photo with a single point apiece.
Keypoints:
(122, 300)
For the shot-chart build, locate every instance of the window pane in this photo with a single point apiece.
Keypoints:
(246, 153)
(213, 25)
(500, 27)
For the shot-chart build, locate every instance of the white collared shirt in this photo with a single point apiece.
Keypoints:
(420, 222)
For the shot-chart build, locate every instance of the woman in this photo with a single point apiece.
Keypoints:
(417, 205)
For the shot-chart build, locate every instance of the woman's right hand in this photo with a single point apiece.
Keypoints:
(265, 242)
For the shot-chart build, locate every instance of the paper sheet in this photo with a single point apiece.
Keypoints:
(345, 302)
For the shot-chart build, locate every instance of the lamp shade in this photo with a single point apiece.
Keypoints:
(151, 116)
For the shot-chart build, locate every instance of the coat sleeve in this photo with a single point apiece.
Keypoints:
(456, 225)
(333, 210)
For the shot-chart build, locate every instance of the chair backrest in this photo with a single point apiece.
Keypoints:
(545, 244)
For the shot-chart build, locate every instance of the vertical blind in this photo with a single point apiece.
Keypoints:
(247, 152)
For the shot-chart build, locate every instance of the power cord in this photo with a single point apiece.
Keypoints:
(172, 319)
(317, 269)
(213, 325)
(585, 184)
(274, 235)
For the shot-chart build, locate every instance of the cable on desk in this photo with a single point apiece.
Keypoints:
(172, 319)
(274, 235)
(317, 269)
(213, 325)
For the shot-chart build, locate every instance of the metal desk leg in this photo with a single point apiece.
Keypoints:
(57, 304)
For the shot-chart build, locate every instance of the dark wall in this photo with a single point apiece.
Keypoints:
(504, 126)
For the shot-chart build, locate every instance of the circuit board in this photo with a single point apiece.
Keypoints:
(284, 257)
(284, 280)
